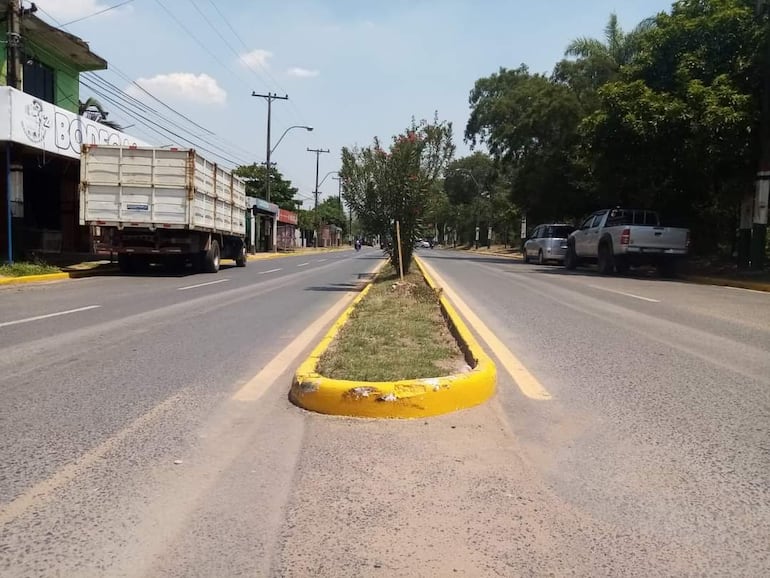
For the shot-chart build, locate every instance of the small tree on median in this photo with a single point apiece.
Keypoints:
(398, 185)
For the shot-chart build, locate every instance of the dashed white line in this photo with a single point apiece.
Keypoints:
(39, 317)
(268, 271)
(321, 260)
(303, 264)
(626, 294)
(202, 284)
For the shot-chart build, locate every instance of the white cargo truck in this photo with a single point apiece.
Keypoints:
(160, 205)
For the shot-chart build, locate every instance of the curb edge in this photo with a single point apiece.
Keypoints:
(414, 398)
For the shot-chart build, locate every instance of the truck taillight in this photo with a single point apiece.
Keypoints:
(625, 237)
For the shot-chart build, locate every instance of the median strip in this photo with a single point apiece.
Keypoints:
(399, 351)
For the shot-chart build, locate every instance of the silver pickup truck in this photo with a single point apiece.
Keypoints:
(617, 239)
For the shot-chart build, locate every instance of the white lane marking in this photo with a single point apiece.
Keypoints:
(268, 271)
(303, 264)
(39, 317)
(321, 260)
(626, 294)
(201, 284)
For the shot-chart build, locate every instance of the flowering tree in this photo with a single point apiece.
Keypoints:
(398, 185)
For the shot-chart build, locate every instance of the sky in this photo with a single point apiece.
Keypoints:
(352, 69)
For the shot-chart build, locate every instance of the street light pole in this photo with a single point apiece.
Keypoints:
(339, 198)
(270, 97)
(318, 153)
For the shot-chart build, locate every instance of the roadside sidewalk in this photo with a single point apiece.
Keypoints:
(76, 270)
(696, 271)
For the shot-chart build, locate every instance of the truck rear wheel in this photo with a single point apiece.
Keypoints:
(241, 258)
(125, 263)
(211, 258)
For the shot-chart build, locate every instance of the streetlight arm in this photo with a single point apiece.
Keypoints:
(326, 176)
(307, 128)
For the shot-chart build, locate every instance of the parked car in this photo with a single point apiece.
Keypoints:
(547, 243)
(619, 238)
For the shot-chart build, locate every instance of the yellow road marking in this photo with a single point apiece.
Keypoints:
(41, 491)
(261, 382)
(528, 383)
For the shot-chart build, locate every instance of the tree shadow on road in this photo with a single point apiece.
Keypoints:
(342, 287)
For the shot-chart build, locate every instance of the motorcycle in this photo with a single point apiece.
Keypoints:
(358, 245)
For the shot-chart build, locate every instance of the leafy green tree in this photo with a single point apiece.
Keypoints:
(530, 123)
(618, 49)
(331, 212)
(398, 185)
(282, 193)
(677, 131)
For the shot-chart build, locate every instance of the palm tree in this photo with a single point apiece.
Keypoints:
(618, 49)
(92, 109)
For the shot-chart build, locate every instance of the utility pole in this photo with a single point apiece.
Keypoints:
(339, 199)
(759, 229)
(14, 44)
(316, 192)
(13, 79)
(270, 97)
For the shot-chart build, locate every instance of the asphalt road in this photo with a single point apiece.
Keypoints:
(130, 449)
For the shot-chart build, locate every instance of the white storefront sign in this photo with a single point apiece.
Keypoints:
(29, 121)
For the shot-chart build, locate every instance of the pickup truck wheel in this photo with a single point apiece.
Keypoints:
(668, 268)
(211, 260)
(571, 258)
(526, 257)
(540, 259)
(606, 261)
(241, 259)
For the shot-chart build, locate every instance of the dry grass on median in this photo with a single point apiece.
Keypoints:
(22, 269)
(396, 332)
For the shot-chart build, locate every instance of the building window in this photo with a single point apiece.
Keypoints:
(38, 80)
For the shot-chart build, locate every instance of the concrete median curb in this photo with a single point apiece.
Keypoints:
(33, 278)
(73, 274)
(413, 398)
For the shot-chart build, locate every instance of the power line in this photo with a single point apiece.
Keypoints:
(197, 40)
(225, 40)
(97, 13)
(150, 124)
(143, 118)
(227, 147)
(265, 70)
(144, 108)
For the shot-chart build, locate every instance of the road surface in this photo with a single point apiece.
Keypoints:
(147, 431)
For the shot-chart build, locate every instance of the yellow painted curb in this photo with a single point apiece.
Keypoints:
(33, 278)
(412, 398)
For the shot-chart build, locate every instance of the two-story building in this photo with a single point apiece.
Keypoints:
(41, 132)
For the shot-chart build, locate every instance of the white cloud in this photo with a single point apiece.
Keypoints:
(201, 89)
(66, 10)
(302, 72)
(256, 58)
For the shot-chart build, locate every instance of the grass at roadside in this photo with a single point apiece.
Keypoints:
(396, 332)
(22, 269)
